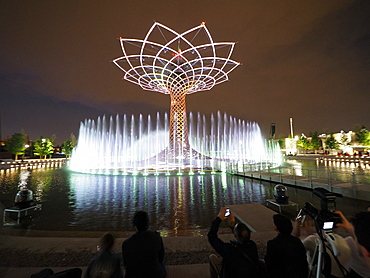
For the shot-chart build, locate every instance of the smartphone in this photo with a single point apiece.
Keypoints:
(227, 213)
(299, 215)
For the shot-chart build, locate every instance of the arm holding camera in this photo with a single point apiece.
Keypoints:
(239, 256)
(213, 238)
(231, 220)
(226, 213)
(345, 223)
(359, 241)
(297, 224)
(221, 213)
(220, 246)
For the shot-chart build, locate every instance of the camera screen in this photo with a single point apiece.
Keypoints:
(328, 225)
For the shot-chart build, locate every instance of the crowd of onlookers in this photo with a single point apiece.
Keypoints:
(295, 252)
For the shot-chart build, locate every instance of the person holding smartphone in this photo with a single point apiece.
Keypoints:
(239, 256)
(358, 241)
(105, 263)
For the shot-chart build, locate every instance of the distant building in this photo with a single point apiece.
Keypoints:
(346, 140)
(291, 146)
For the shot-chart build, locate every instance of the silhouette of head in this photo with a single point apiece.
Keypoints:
(242, 233)
(141, 220)
(103, 265)
(283, 224)
(106, 242)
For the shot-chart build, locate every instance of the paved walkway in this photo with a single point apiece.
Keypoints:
(346, 189)
(173, 271)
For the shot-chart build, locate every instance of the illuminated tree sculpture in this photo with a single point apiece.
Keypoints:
(176, 64)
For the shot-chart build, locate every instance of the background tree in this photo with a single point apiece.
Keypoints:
(68, 145)
(303, 143)
(16, 144)
(67, 148)
(43, 147)
(344, 141)
(362, 135)
(331, 143)
(281, 143)
(316, 143)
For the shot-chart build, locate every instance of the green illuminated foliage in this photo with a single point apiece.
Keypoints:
(303, 143)
(316, 143)
(363, 136)
(43, 147)
(68, 145)
(331, 143)
(16, 144)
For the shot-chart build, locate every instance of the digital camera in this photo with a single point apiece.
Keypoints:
(326, 214)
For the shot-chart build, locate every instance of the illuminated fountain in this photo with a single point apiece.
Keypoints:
(175, 64)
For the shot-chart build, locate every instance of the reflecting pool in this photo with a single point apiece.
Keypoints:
(177, 205)
(73, 201)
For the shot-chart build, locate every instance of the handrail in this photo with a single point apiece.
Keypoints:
(312, 174)
(32, 163)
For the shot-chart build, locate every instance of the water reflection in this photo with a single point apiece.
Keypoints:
(176, 204)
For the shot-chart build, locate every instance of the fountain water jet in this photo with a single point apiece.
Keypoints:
(121, 146)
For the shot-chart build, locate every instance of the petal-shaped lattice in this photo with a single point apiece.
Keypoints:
(165, 60)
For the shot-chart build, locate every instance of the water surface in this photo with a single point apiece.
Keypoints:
(177, 205)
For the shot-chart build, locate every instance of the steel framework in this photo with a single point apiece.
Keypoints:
(176, 64)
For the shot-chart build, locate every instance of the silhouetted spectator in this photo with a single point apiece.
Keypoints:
(104, 264)
(143, 252)
(285, 254)
(239, 257)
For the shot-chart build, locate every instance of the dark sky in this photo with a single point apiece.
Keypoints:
(307, 59)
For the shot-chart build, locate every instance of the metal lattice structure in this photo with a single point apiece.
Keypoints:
(176, 64)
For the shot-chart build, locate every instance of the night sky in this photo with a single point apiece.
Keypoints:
(307, 59)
